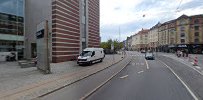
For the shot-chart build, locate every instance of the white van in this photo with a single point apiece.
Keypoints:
(91, 55)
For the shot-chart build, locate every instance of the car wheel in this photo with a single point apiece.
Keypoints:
(90, 63)
(101, 60)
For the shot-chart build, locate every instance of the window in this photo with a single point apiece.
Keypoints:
(196, 27)
(182, 22)
(196, 21)
(196, 33)
(196, 40)
(93, 53)
(182, 35)
(182, 40)
(182, 28)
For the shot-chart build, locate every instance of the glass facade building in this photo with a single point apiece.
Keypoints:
(12, 26)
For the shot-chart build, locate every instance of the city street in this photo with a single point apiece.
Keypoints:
(141, 79)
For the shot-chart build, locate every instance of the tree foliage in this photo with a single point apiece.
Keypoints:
(107, 45)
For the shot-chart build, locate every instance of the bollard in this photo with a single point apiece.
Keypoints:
(195, 62)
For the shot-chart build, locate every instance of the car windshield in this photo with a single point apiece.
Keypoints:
(149, 54)
(86, 53)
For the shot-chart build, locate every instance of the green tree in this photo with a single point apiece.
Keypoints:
(107, 45)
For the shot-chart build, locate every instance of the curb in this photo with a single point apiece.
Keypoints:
(55, 88)
(80, 79)
(101, 85)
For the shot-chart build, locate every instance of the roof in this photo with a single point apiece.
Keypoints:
(183, 16)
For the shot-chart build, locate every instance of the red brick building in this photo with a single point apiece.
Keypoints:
(73, 24)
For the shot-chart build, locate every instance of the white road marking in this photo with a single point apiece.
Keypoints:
(124, 76)
(140, 72)
(142, 64)
(189, 90)
(198, 67)
(103, 83)
(147, 64)
(200, 72)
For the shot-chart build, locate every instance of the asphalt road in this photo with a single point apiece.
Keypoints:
(79, 89)
(136, 82)
(140, 80)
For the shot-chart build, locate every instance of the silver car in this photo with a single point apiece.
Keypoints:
(149, 56)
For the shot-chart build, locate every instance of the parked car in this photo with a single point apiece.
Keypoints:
(143, 51)
(149, 56)
(91, 55)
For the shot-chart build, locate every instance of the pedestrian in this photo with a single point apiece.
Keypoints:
(186, 53)
(178, 53)
(181, 53)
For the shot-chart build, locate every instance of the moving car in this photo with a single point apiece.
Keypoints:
(91, 55)
(149, 56)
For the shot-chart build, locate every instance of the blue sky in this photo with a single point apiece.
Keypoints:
(128, 15)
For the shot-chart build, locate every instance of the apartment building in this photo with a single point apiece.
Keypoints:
(162, 36)
(196, 34)
(72, 24)
(153, 37)
(129, 43)
(183, 33)
(142, 39)
(189, 33)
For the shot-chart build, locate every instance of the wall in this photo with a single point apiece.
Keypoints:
(36, 11)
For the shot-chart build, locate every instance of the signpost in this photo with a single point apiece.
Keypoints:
(43, 62)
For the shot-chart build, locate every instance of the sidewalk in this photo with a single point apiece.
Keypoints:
(187, 61)
(24, 84)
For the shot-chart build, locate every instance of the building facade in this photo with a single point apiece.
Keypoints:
(73, 26)
(12, 27)
(142, 40)
(153, 37)
(184, 33)
(172, 36)
(189, 33)
(196, 34)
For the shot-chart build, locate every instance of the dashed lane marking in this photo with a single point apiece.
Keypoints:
(140, 72)
(147, 64)
(133, 64)
(124, 77)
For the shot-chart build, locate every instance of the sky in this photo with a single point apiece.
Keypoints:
(127, 17)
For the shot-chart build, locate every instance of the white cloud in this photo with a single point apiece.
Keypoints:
(129, 14)
(117, 11)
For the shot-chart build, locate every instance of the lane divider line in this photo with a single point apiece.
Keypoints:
(124, 76)
(140, 72)
(98, 87)
(184, 84)
(147, 64)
